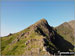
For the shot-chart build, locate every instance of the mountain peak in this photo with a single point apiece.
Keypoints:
(42, 21)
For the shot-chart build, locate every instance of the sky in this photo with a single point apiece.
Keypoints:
(17, 15)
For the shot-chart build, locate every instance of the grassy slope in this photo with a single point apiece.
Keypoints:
(15, 48)
(72, 24)
(66, 31)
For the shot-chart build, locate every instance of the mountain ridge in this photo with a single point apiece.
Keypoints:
(38, 38)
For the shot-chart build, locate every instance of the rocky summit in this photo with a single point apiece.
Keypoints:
(39, 39)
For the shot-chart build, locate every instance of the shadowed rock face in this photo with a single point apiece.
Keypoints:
(39, 39)
(59, 43)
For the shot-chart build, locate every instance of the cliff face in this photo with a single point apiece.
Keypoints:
(38, 39)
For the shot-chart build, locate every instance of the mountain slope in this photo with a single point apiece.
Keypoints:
(28, 41)
(72, 24)
(38, 39)
(67, 31)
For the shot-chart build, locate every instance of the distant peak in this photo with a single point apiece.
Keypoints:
(72, 21)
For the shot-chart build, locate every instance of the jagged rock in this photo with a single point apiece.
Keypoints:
(26, 34)
(22, 34)
(10, 34)
(27, 42)
(44, 48)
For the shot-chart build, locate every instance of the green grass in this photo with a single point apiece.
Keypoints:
(17, 48)
(6, 41)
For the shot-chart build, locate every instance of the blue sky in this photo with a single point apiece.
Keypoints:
(18, 15)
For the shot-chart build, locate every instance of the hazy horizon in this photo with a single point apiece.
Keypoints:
(18, 15)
